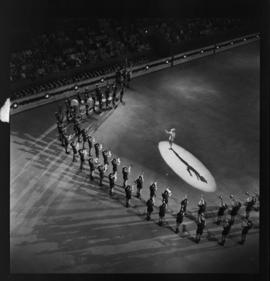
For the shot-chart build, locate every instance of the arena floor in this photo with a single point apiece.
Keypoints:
(60, 222)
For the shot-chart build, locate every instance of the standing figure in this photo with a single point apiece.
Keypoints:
(236, 205)
(221, 211)
(125, 172)
(153, 191)
(101, 170)
(115, 163)
(200, 227)
(75, 148)
(150, 208)
(118, 76)
(128, 190)
(106, 155)
(250, 202)
(91, 141)
(162, 213)
(98, 147)
(165, 195)
(179, 219)
(114, 95)
(202, 206)
(172, 135)
(92, 167)
(82, 153)
(226, 230)
(122, 94)
(112, 180)
(246, 226)
(139, 182)
(61, 130)
(66, 143)
(99, 97)
(184, 203)
(107, 95)
(84, 137)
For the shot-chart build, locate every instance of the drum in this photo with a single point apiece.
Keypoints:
(74, 103)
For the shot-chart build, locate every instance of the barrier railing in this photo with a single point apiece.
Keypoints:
(45, 97)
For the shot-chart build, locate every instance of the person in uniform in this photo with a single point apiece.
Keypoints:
(118, 76)
(114, 95)
(99, 97)
(91, 163)
(98, 147)
(106, 155)
(66, 143)
(107, 95)
(60, 129)
(221, 210)
(82, 153)
(183, 204)
(153, 191)
(101, 170)
(115, 163)
(250, 202)
(84, 137)
(246, 226)
(162, 213)
(179, 219)
(202, 206)
(77, 130)
(112, 180)
(128, 191)
(139, 183)
(172, 134)
(75, 148)
(68, 109)
(236, 205)
(125, 172)
(87, 106)
(150, 208)
(122, 94)
(91, 141)
(201, 223)
(94, 103)
(226, 230)
(165, 195)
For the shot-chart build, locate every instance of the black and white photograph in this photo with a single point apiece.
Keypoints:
(134, 137)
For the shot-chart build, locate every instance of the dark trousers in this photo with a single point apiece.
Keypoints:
(161, 220)
(91, 174)
(74, 157)
(100, 180)
(148, 215)
(81, 166)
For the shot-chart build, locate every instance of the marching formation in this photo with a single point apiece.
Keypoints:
(101, 161)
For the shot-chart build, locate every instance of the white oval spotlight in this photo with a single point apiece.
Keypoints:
(187, 166)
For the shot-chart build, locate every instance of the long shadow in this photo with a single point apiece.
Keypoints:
(189, 168)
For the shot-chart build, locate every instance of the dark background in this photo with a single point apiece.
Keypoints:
(35, 14)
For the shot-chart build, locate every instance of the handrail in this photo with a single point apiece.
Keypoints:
(49, 96)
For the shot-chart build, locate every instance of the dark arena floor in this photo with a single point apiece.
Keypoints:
(63, 223)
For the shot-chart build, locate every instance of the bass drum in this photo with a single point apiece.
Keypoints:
(74, 103)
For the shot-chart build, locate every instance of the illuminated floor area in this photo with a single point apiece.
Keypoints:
(65, 223)
(188, 167)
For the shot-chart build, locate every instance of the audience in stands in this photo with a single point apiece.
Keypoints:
(100, 42)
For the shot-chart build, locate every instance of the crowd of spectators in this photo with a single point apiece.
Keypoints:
(100, 43)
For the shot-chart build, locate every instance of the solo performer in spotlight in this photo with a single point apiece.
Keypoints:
(171, 134)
